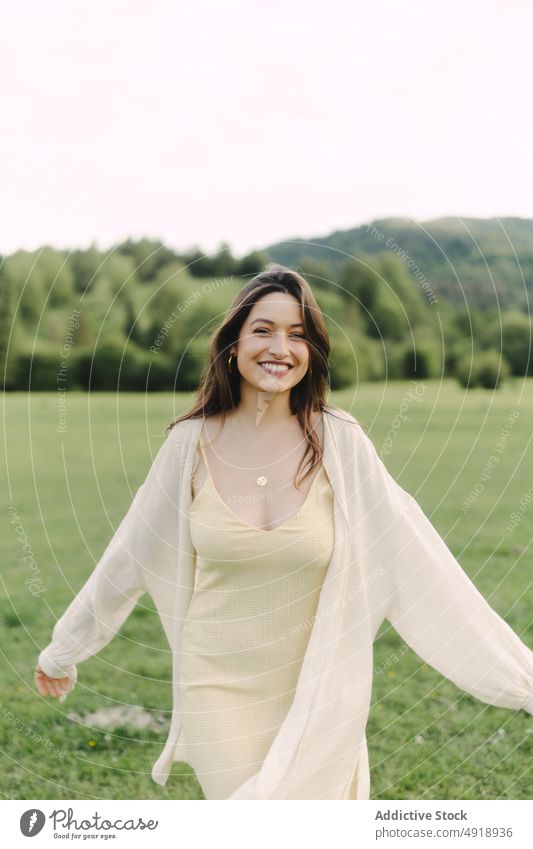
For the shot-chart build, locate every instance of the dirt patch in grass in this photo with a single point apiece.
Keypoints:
(119, 716)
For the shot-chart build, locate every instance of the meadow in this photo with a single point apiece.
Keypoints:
(67, 489)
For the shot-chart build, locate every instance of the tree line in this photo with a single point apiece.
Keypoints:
(139, 316)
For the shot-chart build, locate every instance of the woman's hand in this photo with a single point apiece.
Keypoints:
(47, 686)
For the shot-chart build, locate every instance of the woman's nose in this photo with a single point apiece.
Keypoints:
(278, 345)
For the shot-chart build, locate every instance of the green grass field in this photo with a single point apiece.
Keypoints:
(66, 491)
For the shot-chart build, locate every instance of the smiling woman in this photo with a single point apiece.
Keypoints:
(318, 532)
(274, 381)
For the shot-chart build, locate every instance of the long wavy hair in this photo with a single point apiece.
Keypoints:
(219, 389)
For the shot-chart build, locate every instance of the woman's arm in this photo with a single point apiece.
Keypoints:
(119, 579)
(434, 605)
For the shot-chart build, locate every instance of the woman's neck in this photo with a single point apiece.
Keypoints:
(264, 410)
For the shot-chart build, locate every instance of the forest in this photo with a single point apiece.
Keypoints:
(400, 301)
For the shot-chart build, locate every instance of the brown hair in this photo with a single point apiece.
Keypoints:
(219, 388)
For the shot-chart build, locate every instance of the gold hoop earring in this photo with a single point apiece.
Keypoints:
(229, 361)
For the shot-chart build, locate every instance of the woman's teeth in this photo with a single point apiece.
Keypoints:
(272, 369)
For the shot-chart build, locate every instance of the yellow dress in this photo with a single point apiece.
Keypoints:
(247, 629)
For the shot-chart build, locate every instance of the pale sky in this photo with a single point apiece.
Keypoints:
(252, 122)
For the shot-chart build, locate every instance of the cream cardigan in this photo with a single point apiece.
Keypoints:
(388, 562)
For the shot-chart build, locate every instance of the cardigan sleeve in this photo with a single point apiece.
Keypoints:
(433, 604)
(120, 577)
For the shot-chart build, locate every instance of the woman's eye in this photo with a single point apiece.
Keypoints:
(261, 329)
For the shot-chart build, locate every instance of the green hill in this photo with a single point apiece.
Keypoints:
(480, 262)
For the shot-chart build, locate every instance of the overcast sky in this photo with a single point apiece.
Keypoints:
(258, 121)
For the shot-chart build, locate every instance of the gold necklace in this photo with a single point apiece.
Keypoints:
(261, 480)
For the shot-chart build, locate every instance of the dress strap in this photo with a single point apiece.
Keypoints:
(201, 445)
(207, 484)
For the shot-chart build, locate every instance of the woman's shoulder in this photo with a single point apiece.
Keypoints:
(182, 430)
(351, 435)
(340, 414)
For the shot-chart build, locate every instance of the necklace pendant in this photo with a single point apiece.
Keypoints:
(261, 480)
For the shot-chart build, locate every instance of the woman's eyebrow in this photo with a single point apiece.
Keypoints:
(269, 321)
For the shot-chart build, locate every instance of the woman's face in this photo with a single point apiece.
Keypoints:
(273, 333)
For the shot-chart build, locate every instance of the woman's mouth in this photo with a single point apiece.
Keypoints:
(275, 369)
